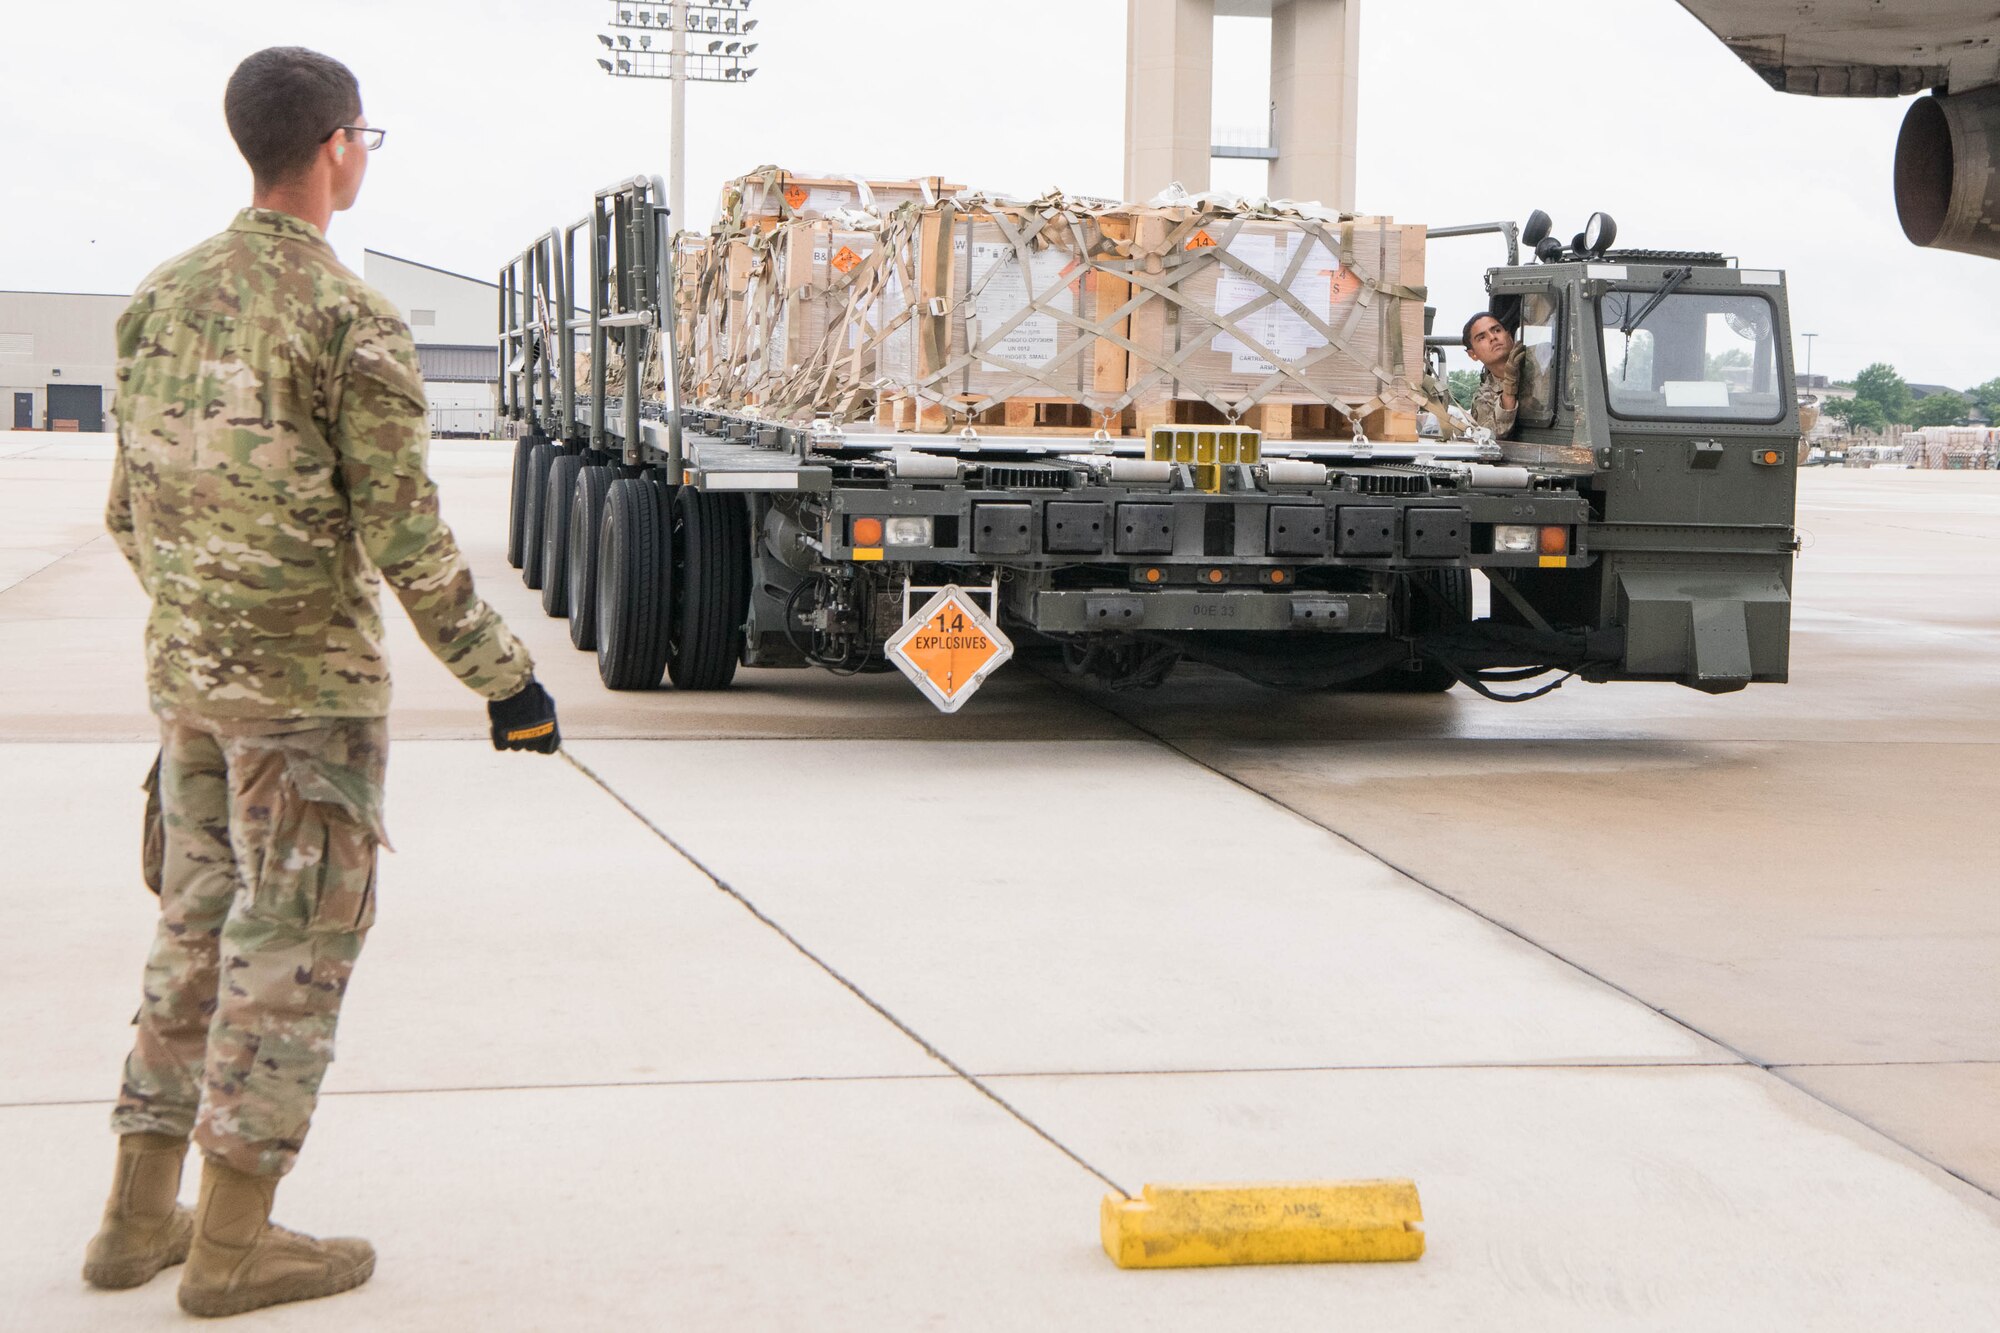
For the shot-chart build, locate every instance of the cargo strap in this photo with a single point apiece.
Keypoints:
(880, 343)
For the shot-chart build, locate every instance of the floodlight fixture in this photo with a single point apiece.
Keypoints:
(676, 59)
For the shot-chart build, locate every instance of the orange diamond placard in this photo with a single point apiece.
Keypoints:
(796, 196)
(846, 259)
(1201, 240)
(949, 648)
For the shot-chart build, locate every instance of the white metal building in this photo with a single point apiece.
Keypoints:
(454, 321)
(58, 350)
(58, 358)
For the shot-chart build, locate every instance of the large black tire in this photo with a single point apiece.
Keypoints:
(635, 586)
(535, 484)
(712, 551)
(586, 520)
(1422, 613)
(517, 501)
(555, 533)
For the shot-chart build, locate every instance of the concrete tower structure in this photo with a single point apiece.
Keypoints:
(1315, 85)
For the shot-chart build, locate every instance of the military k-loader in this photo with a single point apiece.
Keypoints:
(1638, 525)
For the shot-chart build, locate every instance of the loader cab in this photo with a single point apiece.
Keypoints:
(1642, 344)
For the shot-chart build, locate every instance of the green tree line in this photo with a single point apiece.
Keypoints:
(1882, 397)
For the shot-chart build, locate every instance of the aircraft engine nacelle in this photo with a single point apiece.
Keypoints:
(1948, 172)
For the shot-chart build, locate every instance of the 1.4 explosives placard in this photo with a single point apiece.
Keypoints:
(949, 648)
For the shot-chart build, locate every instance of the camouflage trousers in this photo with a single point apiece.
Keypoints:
(266, 876)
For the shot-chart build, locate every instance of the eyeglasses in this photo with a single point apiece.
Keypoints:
(370, 138)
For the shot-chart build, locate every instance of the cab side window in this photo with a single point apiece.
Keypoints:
(1542, 372)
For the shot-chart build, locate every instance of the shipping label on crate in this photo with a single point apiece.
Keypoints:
(1276, 326)
(1001, 290)
(818, 199)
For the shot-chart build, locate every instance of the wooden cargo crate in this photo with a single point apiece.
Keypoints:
(766, 198)
(1270, 313)
(1066, 317)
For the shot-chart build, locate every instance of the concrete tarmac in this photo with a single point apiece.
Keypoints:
(1682, 1011)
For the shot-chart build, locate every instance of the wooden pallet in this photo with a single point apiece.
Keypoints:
(1012, 416)
(1283, 421)
(1063, 416)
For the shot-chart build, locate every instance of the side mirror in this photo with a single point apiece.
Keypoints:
(1538, 225)
(1599, 234)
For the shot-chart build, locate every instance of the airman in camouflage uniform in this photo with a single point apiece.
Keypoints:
(1511, 376)
(269, 476)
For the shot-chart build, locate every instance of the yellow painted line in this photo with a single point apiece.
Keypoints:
(1208, 1226)
(1555, 562)
(867, 553)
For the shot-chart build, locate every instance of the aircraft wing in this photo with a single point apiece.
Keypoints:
(1860, 48)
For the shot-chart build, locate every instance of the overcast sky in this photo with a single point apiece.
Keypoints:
(501, 125)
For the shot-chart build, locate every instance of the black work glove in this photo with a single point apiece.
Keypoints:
(525, 721)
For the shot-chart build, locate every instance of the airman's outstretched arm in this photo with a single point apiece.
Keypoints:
(376, 408)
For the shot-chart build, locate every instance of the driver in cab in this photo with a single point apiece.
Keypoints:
(1510, 375)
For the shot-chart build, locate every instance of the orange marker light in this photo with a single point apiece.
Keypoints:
(1555, 541)
(867, 532)
(1215, 576)
(1277, 576)
(1153, 576)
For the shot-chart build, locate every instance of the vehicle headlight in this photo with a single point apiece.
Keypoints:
(1519, 538)
(908, 531)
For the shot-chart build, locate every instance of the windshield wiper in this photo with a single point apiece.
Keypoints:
(1674, 279)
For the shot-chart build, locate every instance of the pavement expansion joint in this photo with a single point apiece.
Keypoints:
(57, 560)
(1775, 1070)
(1030, 1075)
(833, 972)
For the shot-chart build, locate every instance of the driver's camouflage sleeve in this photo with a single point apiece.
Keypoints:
(1527, 382)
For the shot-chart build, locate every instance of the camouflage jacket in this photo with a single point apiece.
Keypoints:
(271, 433)
(1528, 390)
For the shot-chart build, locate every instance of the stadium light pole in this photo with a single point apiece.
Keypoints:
(674, 20)
(677, 155)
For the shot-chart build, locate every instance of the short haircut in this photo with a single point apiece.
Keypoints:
(1470, 324)
(282, 104)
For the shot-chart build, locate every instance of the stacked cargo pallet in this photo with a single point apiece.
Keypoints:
(1958, 448)
(916, 306)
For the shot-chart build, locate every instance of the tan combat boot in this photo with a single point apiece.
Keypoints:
(242, 1261)
(145, 1228)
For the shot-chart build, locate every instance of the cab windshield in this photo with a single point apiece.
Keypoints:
(1694, 357)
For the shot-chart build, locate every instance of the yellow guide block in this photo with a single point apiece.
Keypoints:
(1207, 1226)
(1207, 449)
